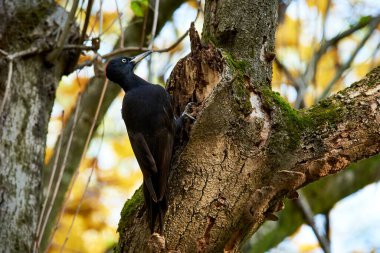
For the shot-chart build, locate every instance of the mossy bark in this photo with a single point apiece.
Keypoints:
(239, 163)
(25, 116)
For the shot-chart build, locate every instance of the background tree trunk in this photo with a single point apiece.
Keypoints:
(26, 28)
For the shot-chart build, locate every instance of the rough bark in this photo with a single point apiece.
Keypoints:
(322, 196)
(25, 116)
(248, 148)
(87, 108)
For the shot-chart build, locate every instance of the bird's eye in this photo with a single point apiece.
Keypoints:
(124, 60)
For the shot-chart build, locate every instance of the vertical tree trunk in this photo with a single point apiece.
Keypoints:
(28, 93)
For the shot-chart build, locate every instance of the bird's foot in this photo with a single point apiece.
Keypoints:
(186, 112)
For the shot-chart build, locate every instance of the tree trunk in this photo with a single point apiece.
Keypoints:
(248, 148)
(27, 94)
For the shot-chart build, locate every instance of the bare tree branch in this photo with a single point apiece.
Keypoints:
(348, 63)
(312, 65)
(308, 215)
(86, 21)
(321, 201)
(62, 39)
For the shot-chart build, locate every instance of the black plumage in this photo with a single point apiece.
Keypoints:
(151, 126)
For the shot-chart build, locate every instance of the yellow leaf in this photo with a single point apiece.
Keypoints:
(193, 3)
(48, 154)
(325, 70)
(287, 32)
(308, 247)
(321, 5)
(122, 147)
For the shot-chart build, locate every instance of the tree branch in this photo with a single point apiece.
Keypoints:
(348, 63)
(322, 196)
(312, 65)
(65, 32)
(307, 213)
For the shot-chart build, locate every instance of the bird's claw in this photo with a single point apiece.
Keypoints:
(187, 109)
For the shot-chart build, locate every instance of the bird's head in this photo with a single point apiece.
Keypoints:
(118, 69)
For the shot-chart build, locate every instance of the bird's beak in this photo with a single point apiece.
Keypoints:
(139, 57)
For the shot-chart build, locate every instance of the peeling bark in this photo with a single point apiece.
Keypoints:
(248, 149)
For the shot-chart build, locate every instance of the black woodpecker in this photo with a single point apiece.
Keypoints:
(148, 115)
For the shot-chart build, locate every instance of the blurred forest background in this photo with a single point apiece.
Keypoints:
(321, 47)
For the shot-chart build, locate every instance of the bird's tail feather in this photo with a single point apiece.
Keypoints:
(155, 210)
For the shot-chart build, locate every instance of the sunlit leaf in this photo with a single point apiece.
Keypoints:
(321, 5)
(122, 147)
(48, 154)
(193, 3)
(287, 32)
(139, 7)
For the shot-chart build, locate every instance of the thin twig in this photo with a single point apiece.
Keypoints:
(312, 65)
(3, 52)
(84, 64)
(154, 28)
(174, 45)
(66, 29)
(294, 82)
(372, 65)
(142, 49)
(62, 168)
(75, 176)
(155, 20)
(348, 63)
(324, 21)
(124, 50)
(119, 14)
(86, 21)
(81, 47)
(308, 215)
(327, 226)
(8, 86)
(29, 51)
(142, 39)
(50, 181)
(83, 195)
(121, 51)
(100, 18)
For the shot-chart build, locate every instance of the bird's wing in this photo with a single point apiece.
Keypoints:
(163, 154)
(145, 159)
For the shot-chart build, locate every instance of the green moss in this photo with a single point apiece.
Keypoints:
(207, 38)
(130, 207)
(241, 95)
(240, 66)
(290, 124)
(239, 89)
